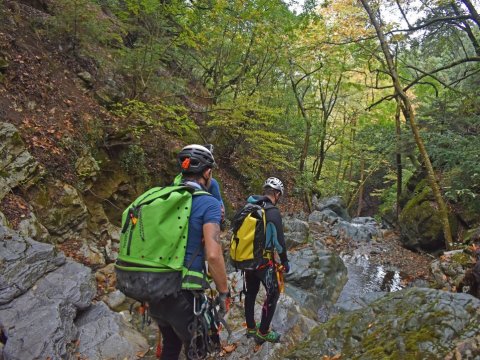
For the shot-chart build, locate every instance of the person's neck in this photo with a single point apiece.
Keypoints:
(200, 182)
(271, 198)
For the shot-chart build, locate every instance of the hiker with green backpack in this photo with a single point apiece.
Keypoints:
(213, 189)
(167, 235)
(256, 242)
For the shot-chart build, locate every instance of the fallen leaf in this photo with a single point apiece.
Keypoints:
(230, 347)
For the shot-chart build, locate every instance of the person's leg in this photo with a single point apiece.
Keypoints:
(253, 285)
(174, 314)
(269, 281)
(172, 345)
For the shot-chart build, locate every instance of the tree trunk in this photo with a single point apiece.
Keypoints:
(467, 29)
(473, 11)
(362, 184)
(410, 116)
(398, 158)
(308, 124)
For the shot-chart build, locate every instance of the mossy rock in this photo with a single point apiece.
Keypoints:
(472, 236)
(413, 323)
(420, 223)
(60, 208)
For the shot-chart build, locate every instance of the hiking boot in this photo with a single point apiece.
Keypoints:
(251, 332)
(272, 336)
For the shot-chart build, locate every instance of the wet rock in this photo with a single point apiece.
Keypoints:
(23, 263)
(328, 216)
(358, 302)
(420, 223)
(46, 309)
(412, 323)
(17, 166)
(86, 77)
(114, 299)
(60, 209)
(360, 229)
(32, 228)
(296, 232)
(3, 220)
(87, 169)
(104, 334)
(334, 204)
(316, 277)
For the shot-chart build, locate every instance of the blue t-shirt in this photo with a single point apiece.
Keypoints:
(205, 209)
(214, 189)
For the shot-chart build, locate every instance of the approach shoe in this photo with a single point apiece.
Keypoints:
(272, 336)
(251, 332)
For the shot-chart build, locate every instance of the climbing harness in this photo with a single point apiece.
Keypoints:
(205, 328)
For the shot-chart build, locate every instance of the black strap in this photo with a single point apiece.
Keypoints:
(195, 254)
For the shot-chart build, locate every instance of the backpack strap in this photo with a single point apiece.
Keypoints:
(194, 278)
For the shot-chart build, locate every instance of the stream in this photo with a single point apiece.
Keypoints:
(366, 282)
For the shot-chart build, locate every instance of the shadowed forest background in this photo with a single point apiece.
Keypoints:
(368, 111)
(374, 101)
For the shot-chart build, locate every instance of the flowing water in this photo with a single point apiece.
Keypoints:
(366, 281)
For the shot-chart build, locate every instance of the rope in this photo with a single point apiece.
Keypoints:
(204, 328)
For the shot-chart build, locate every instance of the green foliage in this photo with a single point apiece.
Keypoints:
(152, 39)
(232, 60)
(143, 117)
(238, 45)
(388, 194)
(247, 132)
(133, 162)
(79, 23)
(452, 130)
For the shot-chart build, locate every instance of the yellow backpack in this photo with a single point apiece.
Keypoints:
(247, 246)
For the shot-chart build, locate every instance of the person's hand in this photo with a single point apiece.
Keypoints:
(224, 301)
(286, 267)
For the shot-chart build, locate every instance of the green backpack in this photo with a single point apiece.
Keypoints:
(153, 241)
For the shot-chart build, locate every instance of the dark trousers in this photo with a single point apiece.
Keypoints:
(174, 314)
(268, 278)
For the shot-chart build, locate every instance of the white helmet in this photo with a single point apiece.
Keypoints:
(274, 183)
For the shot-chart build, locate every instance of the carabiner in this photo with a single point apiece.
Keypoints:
(202, 307)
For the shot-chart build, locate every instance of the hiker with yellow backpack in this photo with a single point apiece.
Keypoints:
(257, 237)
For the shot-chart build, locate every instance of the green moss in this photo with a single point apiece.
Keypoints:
(3, 64)
(462, 258)
(42, 197)
(16, 139)
(3, 173)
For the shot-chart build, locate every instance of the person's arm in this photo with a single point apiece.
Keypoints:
(276, 219)
(214, 189)
(214, 256)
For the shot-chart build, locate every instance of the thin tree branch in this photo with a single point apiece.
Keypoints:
(430, 73)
